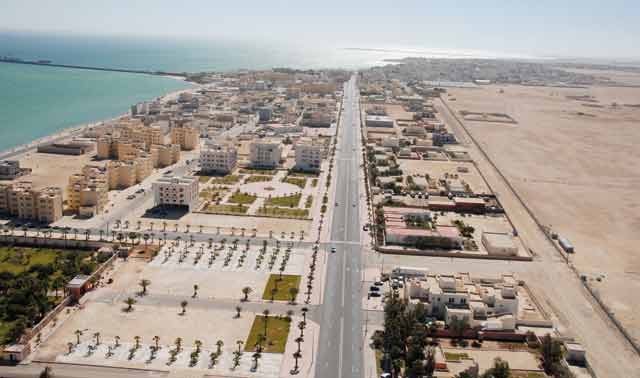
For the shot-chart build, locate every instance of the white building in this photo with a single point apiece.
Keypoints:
(218, 157)
(309, 155)
(176, 191)
(499, 244)
(479, 303)
(265, 153)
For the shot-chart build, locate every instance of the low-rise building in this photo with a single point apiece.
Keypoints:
(176, 191)
(265, 153)
(499, 243)
(10, 169)
(164, 155)
(379, 121)
(218, 157)
(490, 304)
(408, 226)
(23, 201)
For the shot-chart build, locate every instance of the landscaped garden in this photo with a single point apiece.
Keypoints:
(284, 201)
(256, 171)
(226, 180)
(269, 331)
(27, 278)
(282, 285)
(282, 212)
(242, 198)
(257, 178)
(297, 181)
(226, 209)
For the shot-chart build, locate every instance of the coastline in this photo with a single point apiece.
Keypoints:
(76, 130)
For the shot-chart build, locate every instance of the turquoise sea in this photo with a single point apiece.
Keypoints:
(38, 101)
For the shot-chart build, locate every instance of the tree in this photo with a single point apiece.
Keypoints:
(219, 345)
(184, 304)
(136, 340)
(246, 291)
(156, 340)
(500, 369)
(144, 283)
(458, 326)
(274, 291)
(240, 343)
(97, 337)
(551, 351)
(78, 333)
(198, 345)
(238, 309)
(195, 291)
(129, 302)
(47, 372)
(266, 313)
(293, 292)
(296, 355)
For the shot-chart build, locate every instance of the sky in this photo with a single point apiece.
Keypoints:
(544, 28)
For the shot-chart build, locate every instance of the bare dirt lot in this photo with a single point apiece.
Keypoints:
(579, 174)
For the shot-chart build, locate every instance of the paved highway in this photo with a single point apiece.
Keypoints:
(340, 345)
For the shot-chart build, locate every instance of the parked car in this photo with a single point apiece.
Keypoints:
(333, 249)
(375, 294)
(374, 288)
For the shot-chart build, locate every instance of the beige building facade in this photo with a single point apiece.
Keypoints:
(23, 201)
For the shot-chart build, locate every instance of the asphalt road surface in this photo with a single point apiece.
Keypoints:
(340, 345)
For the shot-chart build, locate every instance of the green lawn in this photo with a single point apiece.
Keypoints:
(204, 179)
(303, 174)
(257, 178)
(4, 329)
(451, 356)
(226, 209)
(288, 281)
(258, 171)
(226, 180)
(16, 260)
(297, 181)
(282, 212)
(242, 198)
(277, 334)
(284, 201)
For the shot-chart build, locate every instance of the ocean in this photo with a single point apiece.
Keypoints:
(39, 101)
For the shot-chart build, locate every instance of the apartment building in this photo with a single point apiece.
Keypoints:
(185, 136)
(265, 153)
(309, 155)
(123, 174)
(87, 192)
(164, 155)
(176, 191)
(23, 201)
(218, 157)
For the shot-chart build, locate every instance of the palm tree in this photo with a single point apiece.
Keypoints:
(219, 345)
(198, 345)
(78, 333)
(239, 342)
(139, 224)
(187, 227)
(238, 309)
(256, 356)
(156, 340)
(266, 313)
(75, 233)
(293, 292)
(101, 232)
(97, 337)
(304, 311)
(117, 341)
(195, 291)
(289, 315)
(145, 237)
(129, 302)
(301, 326)
(150, 226)
(299, 340)
(137, 339)
(126, 224)
(200, 228)
(58, 283)
(178, 343)
(274, 290)
(164, 226)
(144, 283)
(184, 304)
(246, 291)
(70, 347)
(86, 235)
(296, 356)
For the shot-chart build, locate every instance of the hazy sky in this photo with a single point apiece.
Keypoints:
(586, 28)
